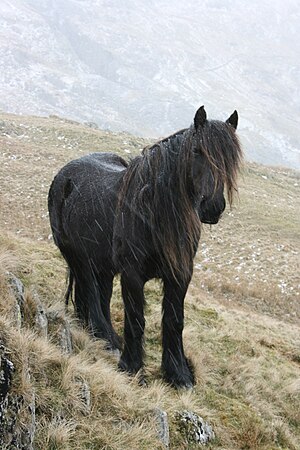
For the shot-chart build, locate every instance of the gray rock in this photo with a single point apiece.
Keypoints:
(162, 427)
(38, 316)
(194, 428)
(18, 291)
(17, 416)
(85, 394)
(41, 321)
(6, 372)
(17, 315)
(64, 333)
(29, 432)
(60, 330)
(17, 288)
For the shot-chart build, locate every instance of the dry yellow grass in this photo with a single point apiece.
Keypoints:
(242, 311)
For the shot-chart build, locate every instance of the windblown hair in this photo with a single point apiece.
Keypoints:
(220, 144)
(158, 188)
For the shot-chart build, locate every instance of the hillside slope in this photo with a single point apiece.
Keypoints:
(242, 311)
(146, 66)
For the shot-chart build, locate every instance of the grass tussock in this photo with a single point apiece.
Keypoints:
(65, 416)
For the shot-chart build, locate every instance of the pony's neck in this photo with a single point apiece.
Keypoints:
(167, 166)
(175, 137)
(156, 192)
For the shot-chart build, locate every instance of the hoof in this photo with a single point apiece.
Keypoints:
(130, 368)
(115, 352)
(183, 379)
(112, 342)
(184, 386)
(117, 342)
(141, 380)
(180, 383)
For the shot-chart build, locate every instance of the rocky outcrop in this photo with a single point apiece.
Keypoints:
(31, 312)
(194, 428)
(17, 411)
(17, 414)
(6, 373)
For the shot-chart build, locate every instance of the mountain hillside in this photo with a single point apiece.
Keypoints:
(145, 67)
(59, 389)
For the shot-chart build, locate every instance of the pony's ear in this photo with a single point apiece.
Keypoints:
(200, 118)
(233, 120)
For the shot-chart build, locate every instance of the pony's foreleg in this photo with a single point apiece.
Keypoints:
(176, 369)
(131, 359)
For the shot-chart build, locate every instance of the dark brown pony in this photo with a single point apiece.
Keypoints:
(142, 219)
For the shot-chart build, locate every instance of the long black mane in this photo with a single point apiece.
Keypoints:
(159, 187)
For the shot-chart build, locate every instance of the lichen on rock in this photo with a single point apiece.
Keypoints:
(194, 428)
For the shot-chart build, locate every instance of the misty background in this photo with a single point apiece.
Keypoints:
(146, 66)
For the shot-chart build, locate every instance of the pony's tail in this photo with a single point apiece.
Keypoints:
(69, 292)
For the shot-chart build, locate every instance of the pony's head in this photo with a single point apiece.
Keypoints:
(217, 156)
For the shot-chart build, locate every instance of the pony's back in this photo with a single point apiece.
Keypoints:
(82, 200)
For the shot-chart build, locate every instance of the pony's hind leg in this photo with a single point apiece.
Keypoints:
(89, 300)
(176, 368)
(131, 359)
(105, 288)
